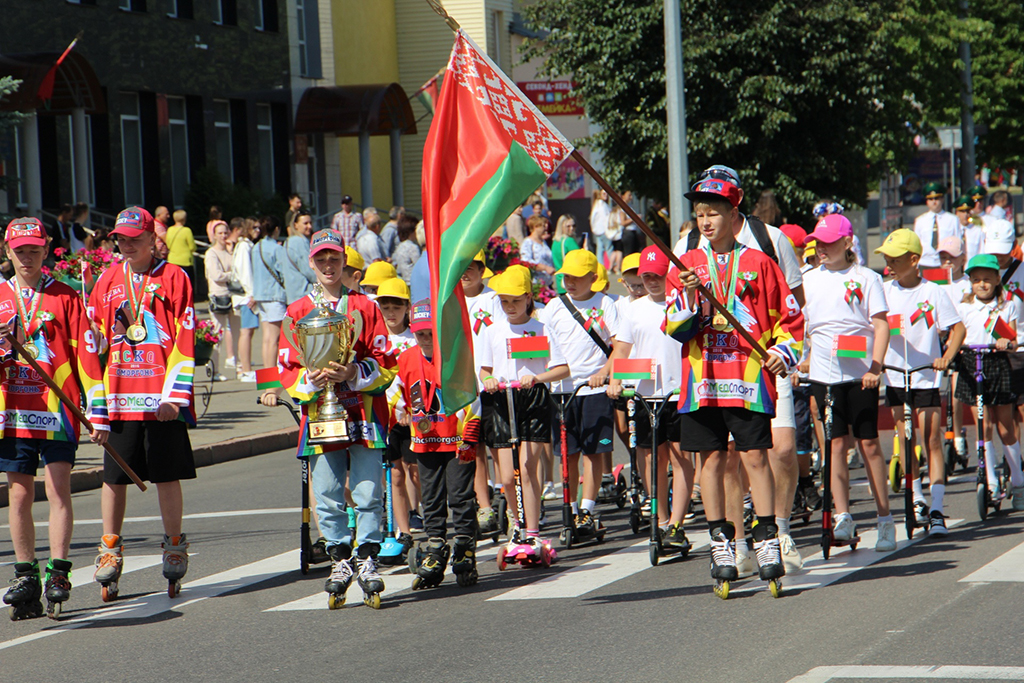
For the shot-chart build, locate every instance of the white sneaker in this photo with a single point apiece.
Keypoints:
(791, 559)
(853, 460)
(230, 362)
(845, 529)
(886, 537)
(744, 560)
(247, 377)
(219, 378)
(549, 492)
(1018, 497)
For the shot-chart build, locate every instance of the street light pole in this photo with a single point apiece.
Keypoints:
(966, 111)
(675, 109)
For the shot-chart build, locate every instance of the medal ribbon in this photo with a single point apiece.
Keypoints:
(924, 310)
(853, 291)
(28, 316)
(138, 299)
(725, 290)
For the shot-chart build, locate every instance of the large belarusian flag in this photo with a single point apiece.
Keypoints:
(488, 148)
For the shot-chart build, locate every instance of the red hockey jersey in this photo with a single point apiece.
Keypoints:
(418, 385)
(67, 351)
(158, 367)
(364, 397)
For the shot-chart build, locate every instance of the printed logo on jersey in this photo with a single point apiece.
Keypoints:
(133, 403)
(724, 389)
(30, 419)
(116, 292)
(155, 333)
(45, 355)
(925, 311)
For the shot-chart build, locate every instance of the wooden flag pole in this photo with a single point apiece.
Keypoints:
(73, 407)
(719, 306)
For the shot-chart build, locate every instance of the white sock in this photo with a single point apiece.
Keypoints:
(887, 518)
(783, 525)
(918, 491)
(1013, 457)
(575, 508)
(938, 492)
(990, 464)
(588, 505)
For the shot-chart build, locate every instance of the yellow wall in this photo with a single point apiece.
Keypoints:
(366, 51)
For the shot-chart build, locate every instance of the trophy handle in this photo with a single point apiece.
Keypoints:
(352, 333)
(288, 328)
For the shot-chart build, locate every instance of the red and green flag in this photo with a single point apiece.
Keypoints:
(268, 378)
(895, 325)
(45, 91)
(528, 347)
(488, 148)
(428, 92)
(939, 276)
(848, 346)
(999, 328)
(633, 368)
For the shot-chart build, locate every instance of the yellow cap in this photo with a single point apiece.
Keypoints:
(809, 252)
(900, 242)
(513, 281)
(578, 263)
(393, 287)
(353, 259)
(631, 262)
(602, 280)
(482, 258)
(378, 272)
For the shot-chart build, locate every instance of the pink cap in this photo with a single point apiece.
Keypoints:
(326, 239)
(419, 316)
(133, 222)
(953, 246)
(795, 233)
(653, 260)
(832, 228)
(23, 231)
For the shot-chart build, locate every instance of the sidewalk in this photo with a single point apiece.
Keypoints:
(234, 427)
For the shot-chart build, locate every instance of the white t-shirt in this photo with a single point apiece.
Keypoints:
(974, 239)
(492, 350)
(926, 310)
(957, 289)
(402, 341)
(924, 226)
(484, 310)
(599, 215)
(783, 250)
(622, 304)
(828, 315)
(641, 327)
(584, 356)
(976, 313)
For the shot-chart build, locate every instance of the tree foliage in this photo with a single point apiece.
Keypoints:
(809, 98)
(210, 188)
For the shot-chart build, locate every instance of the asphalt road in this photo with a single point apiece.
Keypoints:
(600, 613)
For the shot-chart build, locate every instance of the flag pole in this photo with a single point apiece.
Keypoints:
(443, 13)
(719, 306)
(72, 406)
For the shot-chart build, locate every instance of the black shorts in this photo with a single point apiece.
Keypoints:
(996, 372)
(22, 455)
(633, 242)
(589, 425)
(919, 398)
(157, 451)
(668, 423)
(533, 416)
(400, 445)
(854, 409)
(708, 429)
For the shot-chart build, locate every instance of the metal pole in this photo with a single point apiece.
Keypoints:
(966, 110)
(397, 182)
(33, 180)
(82, 162)
(675, 108)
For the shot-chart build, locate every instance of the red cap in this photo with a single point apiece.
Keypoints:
(133, 222)
(420, 317)
(795, 233)
(653, 260)
(22, 231)
(718, 188)
(326, 239)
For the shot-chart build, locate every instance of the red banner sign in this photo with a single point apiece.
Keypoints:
(552, 97)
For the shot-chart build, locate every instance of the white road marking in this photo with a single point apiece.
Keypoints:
(157, 603)
(82, 576)
(823, 674)
(1007, 567)
(198, 515)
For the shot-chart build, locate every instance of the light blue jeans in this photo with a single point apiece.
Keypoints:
(602, 246)
(328, 474)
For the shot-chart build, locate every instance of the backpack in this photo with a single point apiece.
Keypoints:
(757, 227)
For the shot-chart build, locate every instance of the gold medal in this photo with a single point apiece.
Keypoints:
(719, 322)
(31, 350)
(136, 332)
(423, 426)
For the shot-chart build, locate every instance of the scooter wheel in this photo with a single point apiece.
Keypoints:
(982, 496)
(108, 593)
(565, 538)
(634, 522)
(951, 459)
(895, 474)
(545, 557)
(654, 554)
(501, 559)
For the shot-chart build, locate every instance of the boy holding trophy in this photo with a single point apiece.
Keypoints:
(335, 360)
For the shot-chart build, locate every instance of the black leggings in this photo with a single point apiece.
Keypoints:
(446, 481)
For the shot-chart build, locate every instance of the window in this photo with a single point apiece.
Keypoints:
(307, 22)
(82, 2)
(181, 9)
(178, 133)
(265, 147)
(499, 30)
(222, 139)
(225, 12)
(131, 148)
(132, 5)
(266, 15)
(300, 25)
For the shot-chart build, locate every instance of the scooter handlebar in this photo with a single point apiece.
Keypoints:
(919, 368)
(509, 385)
(285, 405)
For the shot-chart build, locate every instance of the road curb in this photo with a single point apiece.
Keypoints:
(206, 455)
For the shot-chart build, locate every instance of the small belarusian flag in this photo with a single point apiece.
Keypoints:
(634, 368)
(939, 276)
(848, 346)
(268, 378)
(999, 328)
(895, 325)
(528, 347)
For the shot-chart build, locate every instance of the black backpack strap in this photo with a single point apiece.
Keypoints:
(692, 239)
(1010, 270)
(764, 240)
(601, 343)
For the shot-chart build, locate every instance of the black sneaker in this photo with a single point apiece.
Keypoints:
(318, 552)
(415, 521)
(675, 537)
(921, 513)
(585, 523)
(812, 499)
(937, 522)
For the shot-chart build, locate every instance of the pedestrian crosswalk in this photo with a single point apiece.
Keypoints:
(1007, 567)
